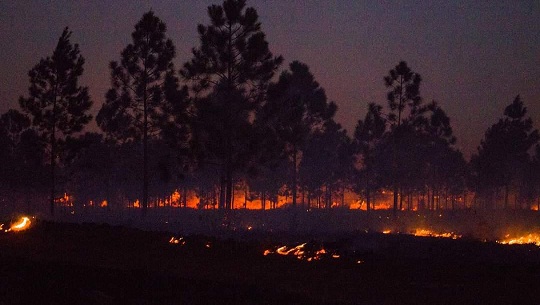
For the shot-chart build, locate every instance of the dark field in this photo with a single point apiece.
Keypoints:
(60, 263)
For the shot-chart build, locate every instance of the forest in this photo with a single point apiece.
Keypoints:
(232, 128)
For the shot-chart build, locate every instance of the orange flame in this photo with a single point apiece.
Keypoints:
(177, 240)
(429, 233)
(301, 253)
(531, 238)
(21, 225)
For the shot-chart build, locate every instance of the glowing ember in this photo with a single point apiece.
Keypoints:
(302, 252)
(387, 231)
(429, 233)
(21, 225)
(522, 240)
(175, 240)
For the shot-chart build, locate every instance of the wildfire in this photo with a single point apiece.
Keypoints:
(301, 252)
(531, 238)
(177, 240)
(21, 225)
(429, 233)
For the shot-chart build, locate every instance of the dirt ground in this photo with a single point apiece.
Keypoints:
(61, 263)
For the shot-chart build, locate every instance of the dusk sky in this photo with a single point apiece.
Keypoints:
(474, 56)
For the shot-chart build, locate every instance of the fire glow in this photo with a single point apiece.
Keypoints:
(301, 252)
(429, 233)
(531, 238)
(177, 241)
(21, 225)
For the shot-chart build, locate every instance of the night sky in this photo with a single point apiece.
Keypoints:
(474, 56)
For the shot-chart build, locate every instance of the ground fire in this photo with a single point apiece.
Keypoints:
(22, 224)
(531, 238)
(302, 252)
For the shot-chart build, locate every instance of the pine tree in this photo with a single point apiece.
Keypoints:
(368, 134)
(296, 108)
(228, 74)
(138, 105)
(404, 94)
(57, 104)
(503, 154)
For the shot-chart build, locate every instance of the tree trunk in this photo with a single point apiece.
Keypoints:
(145, 149)
(245, 198)
(53, 156)
(184, 198)
(395, 199)
(229, 189)
(368, 199)
(367, 190)
(53, 165)
(400, 199)
(295, 178)
(506, 195)
(222, 188)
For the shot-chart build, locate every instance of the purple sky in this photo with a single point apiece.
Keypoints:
(474, 56)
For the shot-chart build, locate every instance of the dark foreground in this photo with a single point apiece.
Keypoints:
(98, 264)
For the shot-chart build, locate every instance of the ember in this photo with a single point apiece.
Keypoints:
(180, 240)
(303, 252)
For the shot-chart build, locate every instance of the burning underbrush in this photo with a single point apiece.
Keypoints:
(19, 224)
(526, 239)
(311, 251)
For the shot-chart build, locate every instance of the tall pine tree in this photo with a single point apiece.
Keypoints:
(57, 104)
(136, 106)
(228, 74)
(403, 98)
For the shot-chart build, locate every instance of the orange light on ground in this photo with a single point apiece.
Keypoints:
(104, 204)
(531, 238)
(21, 225)
(429, 233)
(301, 253)
(177, 241)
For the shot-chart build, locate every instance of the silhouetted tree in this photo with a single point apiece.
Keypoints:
(325, 159)
(503, 154)
(136, 106)
(368, 134)
(296, 108)
(533, 178)
(229, 73)
(12, 125)
(444, 164)
(57, 104)
(92, 169)
(404, 96)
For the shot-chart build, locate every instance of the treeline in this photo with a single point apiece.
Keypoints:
(226, 122)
